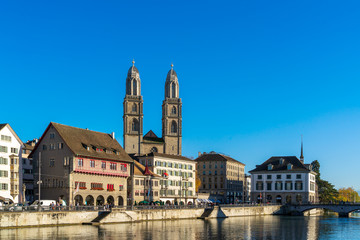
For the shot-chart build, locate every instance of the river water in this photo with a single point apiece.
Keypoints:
(254, 227)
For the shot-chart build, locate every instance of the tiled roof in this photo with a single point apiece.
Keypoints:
(28, 147)
(216, 157)
(281, 165)
(154, 154)
(78, 139)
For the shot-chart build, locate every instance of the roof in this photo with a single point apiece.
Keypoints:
(178, 157)
(2, 125)
(151, 137)
(278, 166)
(171, 75)
(133, 69)
(140, 169)
(28, 147)
(216, 157)
(80, 140)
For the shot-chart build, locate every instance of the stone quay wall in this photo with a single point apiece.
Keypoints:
(30, 219)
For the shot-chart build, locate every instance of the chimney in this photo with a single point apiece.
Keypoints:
(113, 135)
(199, 154)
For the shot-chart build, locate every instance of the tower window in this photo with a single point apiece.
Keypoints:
(173, 110)
(135, 125)
(134, 87)
(173, 90)
(173, 127)
(154, 149)
(134, 108)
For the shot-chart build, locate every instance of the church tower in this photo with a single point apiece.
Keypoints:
(133, 112)
(172, 115)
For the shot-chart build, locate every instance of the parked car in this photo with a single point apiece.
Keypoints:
(18, 207)
(45, 204)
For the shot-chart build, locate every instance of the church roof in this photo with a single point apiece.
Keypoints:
(171, 75)
(280, 163)
(151, 137)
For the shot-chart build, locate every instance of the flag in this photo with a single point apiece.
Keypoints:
(77, 188)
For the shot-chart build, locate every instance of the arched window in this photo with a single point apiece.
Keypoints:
(173, 90)
(134, 87)
(173, 127)
(173, 110)
(135, 125)
(134, 107)
(154, 149)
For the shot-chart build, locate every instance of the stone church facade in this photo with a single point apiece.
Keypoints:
(134, 140)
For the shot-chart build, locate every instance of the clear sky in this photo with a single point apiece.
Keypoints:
(254, 75)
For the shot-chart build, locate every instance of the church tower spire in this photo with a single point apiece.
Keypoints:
(172, 115)
(302, 150)
(133, 112)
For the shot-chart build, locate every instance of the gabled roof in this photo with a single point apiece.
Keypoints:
(2, 125)
(281, 165)
(85, 143)
(140, 170)
(216, 157)
(151, 137)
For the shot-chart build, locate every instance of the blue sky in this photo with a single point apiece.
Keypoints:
(254, 75)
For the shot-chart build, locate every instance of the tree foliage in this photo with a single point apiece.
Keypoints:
(348, 195)
(197, 183)
(326, 191)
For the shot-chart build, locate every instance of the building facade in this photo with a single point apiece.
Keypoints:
(81, 166)
(221, 176)
(284, 179)
(146, 185)
(10, 165)
(178, 172)
(247, 189)
(27, 171)
(134, 141)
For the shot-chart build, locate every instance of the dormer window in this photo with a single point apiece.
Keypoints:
(281, 161)
(270, 167)
(289, 166)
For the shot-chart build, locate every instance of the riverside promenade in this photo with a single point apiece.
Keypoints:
(67, 216)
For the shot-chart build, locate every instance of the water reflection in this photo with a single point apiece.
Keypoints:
(268, 227)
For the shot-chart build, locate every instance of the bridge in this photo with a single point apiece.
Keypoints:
(343, 210)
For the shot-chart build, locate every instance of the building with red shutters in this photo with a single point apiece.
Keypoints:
(81, 166)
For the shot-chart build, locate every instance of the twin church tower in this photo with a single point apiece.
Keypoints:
(134, 141)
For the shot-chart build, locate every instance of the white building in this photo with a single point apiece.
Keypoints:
(10, 165)
(179, 173)
(282, 180)
(247, 189)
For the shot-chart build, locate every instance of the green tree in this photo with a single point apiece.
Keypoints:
(326, 191)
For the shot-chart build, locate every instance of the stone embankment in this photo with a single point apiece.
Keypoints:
(28, 219)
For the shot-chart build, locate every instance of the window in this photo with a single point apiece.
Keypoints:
(44, 147)
(278, 186)
(80, 162)
(121, 187)
(259, 186)
(259, 177)
(103, 165)
(3, 149)
(4, 186)
(204, 173)
(288, 186)
(52, 162)
(215, 172)
(4, 173)
(289, 166)
(134, 108)
(52, 135)
(92, 163)
(135, 125)
(278, 176)
(66, 161)
(110, 187)
(268, 186)
(312, 186)
(268, 176)
(298, 185)
(173, 110)
(3, 161)
(136, 181)
(82, 185)
(270, 167)
(298, 176)
(154, 149)
(5, 138)
(60, 145)
(134, 87)
(173, 127)
(209, 172)
(113, 166)
(52, 146)
(96, 186)
(288, 176)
